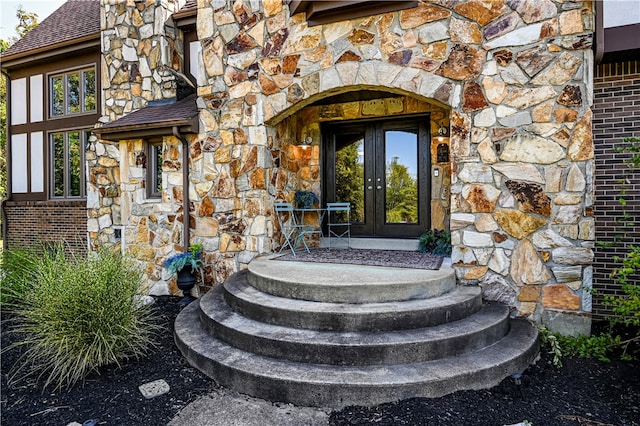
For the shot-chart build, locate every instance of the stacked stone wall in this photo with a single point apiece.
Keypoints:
(616, 116)
(516, 77)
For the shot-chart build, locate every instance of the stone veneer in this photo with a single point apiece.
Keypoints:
(514, 76)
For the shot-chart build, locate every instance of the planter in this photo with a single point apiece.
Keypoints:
(186, 282)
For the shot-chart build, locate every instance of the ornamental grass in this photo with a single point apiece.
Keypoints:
(80, 314)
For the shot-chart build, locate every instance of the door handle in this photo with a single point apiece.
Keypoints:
(379, 187)
(369, 188)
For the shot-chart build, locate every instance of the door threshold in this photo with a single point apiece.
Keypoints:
(408, 244)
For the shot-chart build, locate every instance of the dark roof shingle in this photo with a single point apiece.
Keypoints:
(75, 19)
(158, 118)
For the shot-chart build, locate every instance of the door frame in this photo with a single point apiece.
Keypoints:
(373, 130)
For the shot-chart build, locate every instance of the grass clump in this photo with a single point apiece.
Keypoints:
(17, 272)
(80, 314)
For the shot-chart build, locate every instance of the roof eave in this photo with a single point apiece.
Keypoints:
(138, 131)
(29, 56)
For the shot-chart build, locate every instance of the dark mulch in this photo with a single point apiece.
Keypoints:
(389, 258)
(583, 392)
(112, 397)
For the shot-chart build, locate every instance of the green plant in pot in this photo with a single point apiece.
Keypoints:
(186, 265)
(435, 241)
(305, 199)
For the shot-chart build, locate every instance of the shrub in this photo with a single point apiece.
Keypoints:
(17, 272)
(81, 314)
(435, 241)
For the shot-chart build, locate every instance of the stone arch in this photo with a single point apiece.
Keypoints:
(373, 75)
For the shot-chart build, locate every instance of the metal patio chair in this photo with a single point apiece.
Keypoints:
(289, 226)
(339, 222)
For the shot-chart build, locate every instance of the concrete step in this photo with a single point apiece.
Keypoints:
(395, 315)
(480, 330)
(326, 282)
(334, 386)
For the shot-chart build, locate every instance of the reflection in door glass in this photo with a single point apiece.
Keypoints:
(350, 173)
(401, 160)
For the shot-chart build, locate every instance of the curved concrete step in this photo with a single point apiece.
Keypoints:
(337, 283)
(339, 386)
(402, 315)
(480, 330)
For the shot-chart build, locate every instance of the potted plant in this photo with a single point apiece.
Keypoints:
(435, 241)
(305, 199)
(185, 265)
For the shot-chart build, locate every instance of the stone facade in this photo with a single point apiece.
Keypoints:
(512, 79)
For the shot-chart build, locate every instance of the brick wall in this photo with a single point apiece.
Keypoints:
(28, 222)
(616, 115)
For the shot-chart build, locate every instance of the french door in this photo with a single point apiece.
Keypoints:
(381, 168)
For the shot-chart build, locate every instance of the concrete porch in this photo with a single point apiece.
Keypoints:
(331, 335)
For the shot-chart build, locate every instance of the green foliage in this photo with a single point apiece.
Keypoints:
(558, 346)
(350, 178)
(402, 194)
(435, 241)
(599, 347)
(18, 271)
(179, 261)
(80, 315)
(550, 340)
(26, 22)
(626, 306)
(305, 199)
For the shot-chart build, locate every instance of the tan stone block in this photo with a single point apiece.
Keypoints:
(438, 215)
(481, 11)
(223, 155)
(527, 309)
(526, 266)
(542, 113)
(581, 146)
(464, 63)
(529, 293)
(571, 22)
(436, 50)
(464, 32)
(564, 115)
(424, 13)
(207, 227)
(559, 296)
(475, 273)
(272, 7)
(518, 224)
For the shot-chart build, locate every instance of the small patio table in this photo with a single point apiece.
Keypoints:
(308, 224)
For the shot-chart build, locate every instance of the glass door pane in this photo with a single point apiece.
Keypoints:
(349, 173)
(401, 174)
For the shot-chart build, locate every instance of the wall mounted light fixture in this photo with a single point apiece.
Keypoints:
(306, 142)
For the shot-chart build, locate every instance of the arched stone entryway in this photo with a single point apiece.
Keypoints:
(370, 113)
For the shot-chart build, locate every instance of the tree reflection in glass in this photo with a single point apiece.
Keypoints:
(350, 174)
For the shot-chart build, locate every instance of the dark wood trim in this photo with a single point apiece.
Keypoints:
(622, 38)
(48, 54)
(325, 12)
(144, 132)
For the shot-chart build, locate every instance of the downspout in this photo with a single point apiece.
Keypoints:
(186, 217)
(598, 46)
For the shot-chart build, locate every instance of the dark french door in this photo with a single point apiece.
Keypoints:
(381, 168)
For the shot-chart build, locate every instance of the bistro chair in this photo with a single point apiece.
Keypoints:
(289, 226)
(339, 222)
